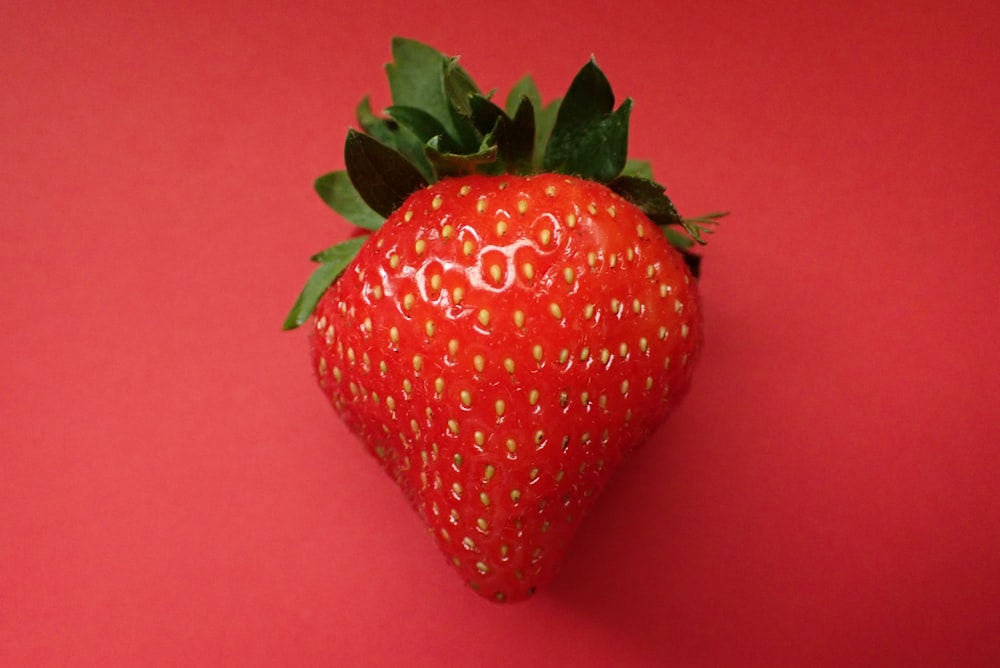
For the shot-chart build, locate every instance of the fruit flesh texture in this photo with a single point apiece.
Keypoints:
(500, 361)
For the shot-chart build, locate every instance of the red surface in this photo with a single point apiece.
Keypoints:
(173, 490)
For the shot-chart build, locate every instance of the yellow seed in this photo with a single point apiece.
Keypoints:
(528, 271)
(684, 331)
(408, 301)
(457, 294)
(515, 495)
(678, 306)
(623, 349)
(466, 397)
(377, 291)
(453, 426)
(522, 206)
(390, 403)
(555, 310)
(584, 354)
(429, 328)
(571, 220)
(479, 438)
(508, 364)
(519, 319)
(584, 398)
(420, 246)
(643, 344)
(592, 208)
(418, 363)
(482, 524)
(464, 190)
(488, 472)
(468, 247)
(636, 306)
(437, 202)
(479, 362)
(545, 236)
(481, 205)
(624, 387)
(640, 231)
(407, 386)
(616, 306)
(367, 324)
(563, 356)
(439, 385)
(484, 498)
(394, 334)
(605, 355)
(408, 216)
(468, 543)
(550, 191)
(496, 273)
(394, 261)
(511, 445)
(484, 318)
(453, 347)
(536, 352)
(588, 311)
(482, 568)
(533, 397)
(569, 275)
(447, 231)
(501, 227)
(611, 211)
(649, 382)
(650, 271)
(501, 407)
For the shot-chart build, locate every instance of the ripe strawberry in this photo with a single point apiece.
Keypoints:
(517, 325)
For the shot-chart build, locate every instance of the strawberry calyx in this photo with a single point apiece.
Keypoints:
(440, 124)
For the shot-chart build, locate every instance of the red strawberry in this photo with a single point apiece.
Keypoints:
(504, 339)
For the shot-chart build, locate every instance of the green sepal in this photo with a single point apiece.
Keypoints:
(424, 126)
(399, 138)
(649, 196)
(642, 169)
(381, 175)
(458, 164)
(514, 137)
(422, 77)
(589, 138)
(332, 261)
(340, 195)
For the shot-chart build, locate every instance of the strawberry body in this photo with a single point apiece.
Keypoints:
(499, 345)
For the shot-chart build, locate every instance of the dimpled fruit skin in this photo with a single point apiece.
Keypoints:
(499, 345)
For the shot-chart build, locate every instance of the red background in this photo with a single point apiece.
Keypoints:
(173, 490)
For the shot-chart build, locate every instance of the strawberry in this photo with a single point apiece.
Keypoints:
(521, 317)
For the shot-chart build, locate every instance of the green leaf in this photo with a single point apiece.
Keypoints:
(525, 88)
(402, 139)
(383, 129)
(649, 196)
(340, 195)
(333, 262)
(457, 164)
(421, 76)
(642, 169)
(381, 175)
(424, 126)
(514, 137)
(589, 138)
